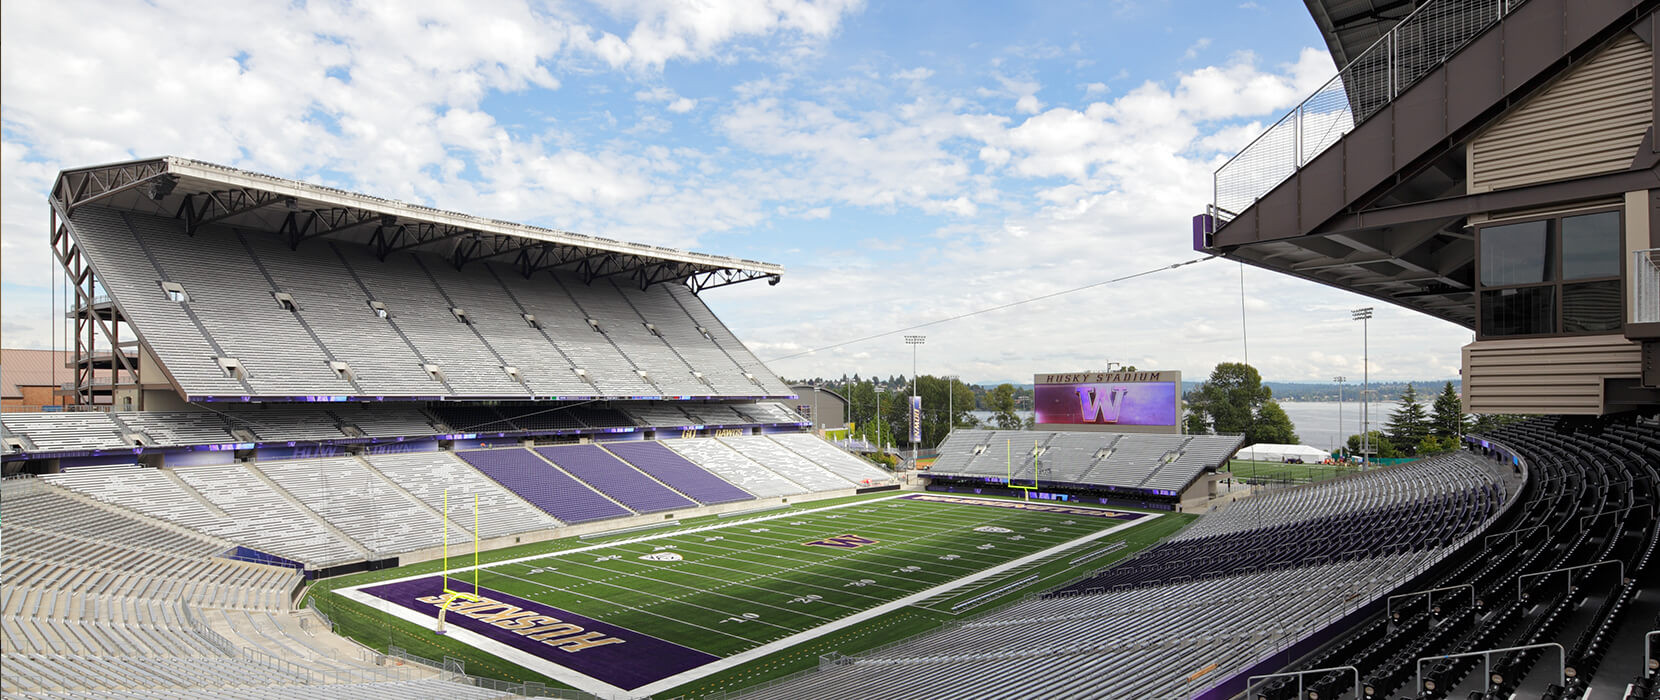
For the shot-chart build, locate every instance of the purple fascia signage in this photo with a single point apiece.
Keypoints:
(1106, 403)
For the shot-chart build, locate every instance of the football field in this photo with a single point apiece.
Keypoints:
(657, 610)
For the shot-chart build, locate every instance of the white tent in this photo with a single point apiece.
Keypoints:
(1266, 452)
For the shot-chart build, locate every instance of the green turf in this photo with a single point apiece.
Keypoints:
(751, 582)
(1277, 471)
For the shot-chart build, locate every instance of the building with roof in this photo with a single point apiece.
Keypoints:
(29, 380)
(827, 409)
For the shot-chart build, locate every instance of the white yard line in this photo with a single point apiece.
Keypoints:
(856, 618)
(594, 686)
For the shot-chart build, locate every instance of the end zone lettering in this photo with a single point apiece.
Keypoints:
(548, 630)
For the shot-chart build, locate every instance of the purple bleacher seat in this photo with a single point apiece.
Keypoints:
(615, 478)
(670, 468)
(543, 486)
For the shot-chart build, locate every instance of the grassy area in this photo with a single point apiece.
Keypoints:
(1277, 471)
(751, 582)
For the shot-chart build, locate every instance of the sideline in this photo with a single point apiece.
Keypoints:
(595, 686)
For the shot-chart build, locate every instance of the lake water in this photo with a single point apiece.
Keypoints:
(1317, 422)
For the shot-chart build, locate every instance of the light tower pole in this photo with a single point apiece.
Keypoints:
(1340, 379)
(913, 341)
(879, 391)
(950, 404)
(1364, 316)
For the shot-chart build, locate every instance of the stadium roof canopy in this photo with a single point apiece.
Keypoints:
(204, 193)
(1350, 26)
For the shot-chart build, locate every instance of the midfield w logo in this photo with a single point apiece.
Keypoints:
(1102, 409)
(842, 541)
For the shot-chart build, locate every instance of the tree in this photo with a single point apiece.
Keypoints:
(1408, 424)
(1434, 445)
(1271, 425)
(1194, 422)
(1447, 420)
(1229, 400)
(1002, 403)
(1381, 446)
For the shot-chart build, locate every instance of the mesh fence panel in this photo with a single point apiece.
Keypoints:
(1414, 47)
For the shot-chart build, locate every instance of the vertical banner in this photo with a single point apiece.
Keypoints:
(916, 419)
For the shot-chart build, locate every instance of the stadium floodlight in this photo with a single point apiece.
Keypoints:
(1364, 316)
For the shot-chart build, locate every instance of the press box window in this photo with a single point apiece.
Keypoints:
(1591, 246)
(1516, 254)
(1552, 276)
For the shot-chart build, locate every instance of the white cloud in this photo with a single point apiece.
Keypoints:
(667, 31)
(984, 195)
(1194, 48)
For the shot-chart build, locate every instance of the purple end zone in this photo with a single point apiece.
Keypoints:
(1028, 506)
(576, 642)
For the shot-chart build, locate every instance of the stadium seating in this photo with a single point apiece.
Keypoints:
(615, 478)
(659, 342)
(426, 475)
(786, 463)
(329, 511)
(225, 501)
(50, 432)
(544, 485)
(364, 505)
(225, 423)
(833, 460)
(728, 464)
(100, 604)
(268, 520)
(1585, 502)
(179, 427)
(1165, 463)
(1181, 617)
(330, 301)
(672, 469)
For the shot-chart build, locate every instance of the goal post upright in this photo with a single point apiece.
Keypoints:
(450, 595)
(1008, 466)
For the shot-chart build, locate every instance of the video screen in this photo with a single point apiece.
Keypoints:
(1106, 403)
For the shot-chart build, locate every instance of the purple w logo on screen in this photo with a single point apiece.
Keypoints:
(1101, 409)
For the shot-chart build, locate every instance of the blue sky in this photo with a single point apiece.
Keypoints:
(905, 161)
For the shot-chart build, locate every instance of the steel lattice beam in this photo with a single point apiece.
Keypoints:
(77, 187)
(218, 205)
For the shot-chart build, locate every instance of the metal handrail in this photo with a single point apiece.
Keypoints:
(1645, 285)
(1487, 654)
(1417, 44)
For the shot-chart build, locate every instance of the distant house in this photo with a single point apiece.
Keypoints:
(28, 377)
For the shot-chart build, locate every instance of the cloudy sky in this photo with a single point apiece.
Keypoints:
(906, 161)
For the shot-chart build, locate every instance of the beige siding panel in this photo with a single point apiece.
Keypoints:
(1546, 375)
(1590, 121)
